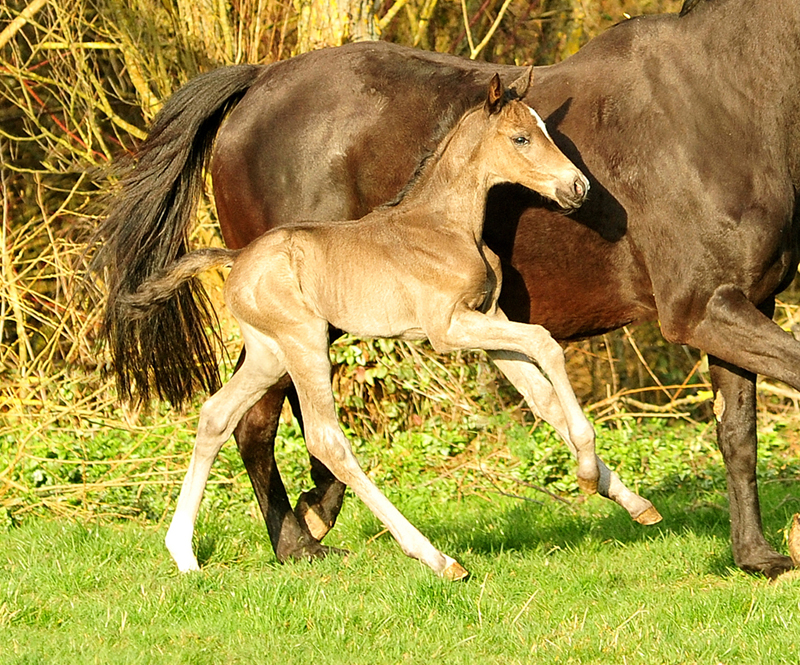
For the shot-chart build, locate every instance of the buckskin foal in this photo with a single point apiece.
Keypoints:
(415, 270)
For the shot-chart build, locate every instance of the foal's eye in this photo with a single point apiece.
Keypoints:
(520, 140)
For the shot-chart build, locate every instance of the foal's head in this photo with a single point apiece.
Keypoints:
(517, 148)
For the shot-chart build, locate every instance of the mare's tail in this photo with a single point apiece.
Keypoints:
(168, 354)
(156, 291)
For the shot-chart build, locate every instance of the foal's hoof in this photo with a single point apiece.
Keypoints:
(649, 517)
(587, 486)
(455, 572)
(790, 576)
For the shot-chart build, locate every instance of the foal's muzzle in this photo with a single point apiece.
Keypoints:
(573, 195)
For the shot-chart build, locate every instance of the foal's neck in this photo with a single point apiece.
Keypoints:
(455, 181)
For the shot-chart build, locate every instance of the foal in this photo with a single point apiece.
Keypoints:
(415, 270)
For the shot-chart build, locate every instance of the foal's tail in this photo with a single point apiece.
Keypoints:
(170, 353)
(156, 291)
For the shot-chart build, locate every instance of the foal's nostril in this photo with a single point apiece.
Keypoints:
(580, 188)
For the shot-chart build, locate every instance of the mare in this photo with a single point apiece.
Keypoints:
(688, 127)
(418, 269)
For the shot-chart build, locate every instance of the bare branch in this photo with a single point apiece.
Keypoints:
(16, 25)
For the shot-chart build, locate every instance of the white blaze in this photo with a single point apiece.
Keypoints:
(539, 122)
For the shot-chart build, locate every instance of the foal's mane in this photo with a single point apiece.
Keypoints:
(447, 126)
(447, 123)
(689, 5)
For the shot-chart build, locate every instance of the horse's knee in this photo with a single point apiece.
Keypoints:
(549, 351)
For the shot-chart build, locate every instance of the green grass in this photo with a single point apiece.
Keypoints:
(550, 584)
(85, 577)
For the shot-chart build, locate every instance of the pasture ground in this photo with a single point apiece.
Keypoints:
(553, 580)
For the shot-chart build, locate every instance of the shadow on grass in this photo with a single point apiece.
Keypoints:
(694, 506)
(205, 546)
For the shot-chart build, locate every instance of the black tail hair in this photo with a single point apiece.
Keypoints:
(170, 353)
(159, 289)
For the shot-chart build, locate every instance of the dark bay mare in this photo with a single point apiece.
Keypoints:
(688, 127)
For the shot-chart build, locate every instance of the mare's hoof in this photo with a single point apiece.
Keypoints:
(587, 486)
(764, 559)
(794, 540)
(307, 512)
(316, 526)
(309, 551)
(649, 517)
(774, 568)
(455, 572)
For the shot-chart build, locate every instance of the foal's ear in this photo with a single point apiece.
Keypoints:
(520, 87)
(494, 99)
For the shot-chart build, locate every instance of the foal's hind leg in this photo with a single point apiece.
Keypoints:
(218, 418)
(540, 396)
(318, 508)
(294, 534)
(309, 366)
(255, 437)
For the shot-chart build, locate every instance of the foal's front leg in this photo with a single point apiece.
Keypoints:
(542, 400)
(470, 329)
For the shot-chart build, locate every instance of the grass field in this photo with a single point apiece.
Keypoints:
(553, 581)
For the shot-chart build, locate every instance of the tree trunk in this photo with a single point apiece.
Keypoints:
(333, 23)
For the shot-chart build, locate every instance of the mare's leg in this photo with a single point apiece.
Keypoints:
(541, 398)
(255, 437)
(741, 341)
(218, 418)
(735, 409)
(309, 366)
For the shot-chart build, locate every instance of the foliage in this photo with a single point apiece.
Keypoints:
(79, 82)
